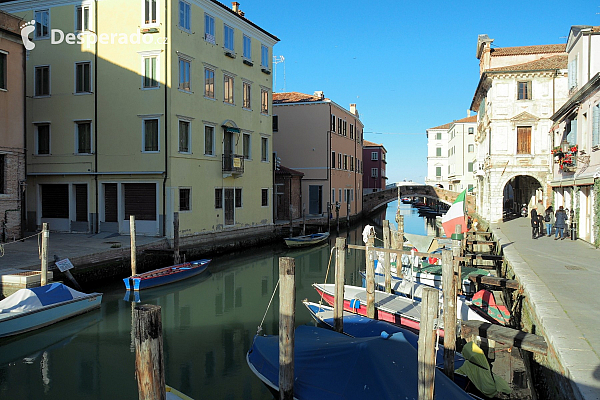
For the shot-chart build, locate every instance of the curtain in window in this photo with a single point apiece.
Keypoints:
(84, 138)
(184, 136)
(264, 149)
(150, 72)
(246, 146)
(151, 135)
(208, 140)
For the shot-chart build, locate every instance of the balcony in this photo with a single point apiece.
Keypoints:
(566, 157)
(233, 164)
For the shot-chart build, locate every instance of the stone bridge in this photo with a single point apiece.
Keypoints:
(373, 201)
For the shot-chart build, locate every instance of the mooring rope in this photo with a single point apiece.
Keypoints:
(21, 240)
(326, 274)
(259, 331)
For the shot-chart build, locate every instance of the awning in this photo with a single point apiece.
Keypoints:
(588, 180)
(232, 130)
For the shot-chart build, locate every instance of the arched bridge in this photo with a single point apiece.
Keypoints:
(372, 201)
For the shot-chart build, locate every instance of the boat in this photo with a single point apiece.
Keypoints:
(331, 365)
(406, 200)
(34, 308)
(166, 275)
(392, 308)
(306, 240)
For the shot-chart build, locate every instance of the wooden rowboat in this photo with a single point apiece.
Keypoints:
(307, 240)
(164, 276)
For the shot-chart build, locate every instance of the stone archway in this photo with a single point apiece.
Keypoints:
(519, 190)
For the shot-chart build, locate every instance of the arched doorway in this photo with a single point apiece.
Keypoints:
(519, 190)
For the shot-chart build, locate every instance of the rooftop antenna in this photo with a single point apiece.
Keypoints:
(277, 60)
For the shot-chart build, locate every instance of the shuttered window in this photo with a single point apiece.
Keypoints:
(572, 135)
(596, 126)
(110, 202)
(55, 201)
(140, 200)
(524, 140)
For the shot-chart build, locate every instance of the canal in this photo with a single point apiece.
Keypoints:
(208, 324)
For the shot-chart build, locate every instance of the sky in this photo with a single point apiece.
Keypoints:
(408, 65)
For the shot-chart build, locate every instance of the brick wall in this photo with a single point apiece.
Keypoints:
(10, 199)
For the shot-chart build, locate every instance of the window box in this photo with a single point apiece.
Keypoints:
(248, 62)
(229, 54)
(149, 30)
(266, 71)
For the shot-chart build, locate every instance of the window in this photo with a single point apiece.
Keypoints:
(351, 131)
(572, 70)
(351, 163)
(42, 139)
(42, 24)
(228, 37)
(184, 75)
(264, 102)
(339, 160)
(264, 149)
(345, 128)
(150, 135)
(333, 123)
(184, 136)
(150, 12)
(42, 81)
(83, 77)
(82, 18)
(470, 187)
(185, 195)
(345, 162)
(332, 196)
(438, 135)
(209, 140)
(84, 137)
(471, 130)
(438, 171)
(247, 142)
(218, 198)
(247, 47)
(596, 125)
(228, 89)
(238, 198)
(374, 172)
(572, 133)
(524, 140)
(264, 56)
(184, 15)
(264, 198)
(438, 151)
(150, 76)
(339, 124)
(333, 159)
(275, 123)
(209, 83)
(340, 198)
(3, 68)
(374, 156)
(470, 167)
(471, 148)
(246, 95)
(209, 28)
(524, 90)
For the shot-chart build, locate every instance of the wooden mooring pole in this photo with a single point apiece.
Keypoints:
(149, 362)
(370, 276)
(133, 246)
(386, 256)
(287, 320)
(400, 243)
(176, 256)
(340, 270)
(457, 252)
(44, 266)
(449, 290)
(426, 347)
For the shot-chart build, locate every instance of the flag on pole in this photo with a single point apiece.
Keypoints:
(455, 215)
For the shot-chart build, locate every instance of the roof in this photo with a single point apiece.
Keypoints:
(472, 118)
(288, 171)
(371, 144)
(295, 97)
(546, 63)
(445, 126)
(525, 50)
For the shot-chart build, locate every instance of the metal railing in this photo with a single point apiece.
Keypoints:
(233, 163)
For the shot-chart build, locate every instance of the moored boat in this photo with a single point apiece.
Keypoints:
(307, 240)
(35, 308)
(166, 275)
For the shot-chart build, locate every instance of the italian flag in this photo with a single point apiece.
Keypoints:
(455, 216)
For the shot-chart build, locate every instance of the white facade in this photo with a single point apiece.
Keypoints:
(515, 100)
(462, 155)
(437, 156)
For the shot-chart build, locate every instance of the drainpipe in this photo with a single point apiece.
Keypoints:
(97, 214)
(164, 188)
(23, 204)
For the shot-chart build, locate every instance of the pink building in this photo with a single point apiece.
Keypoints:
(374, 158)
(323, 140)
(12, 127)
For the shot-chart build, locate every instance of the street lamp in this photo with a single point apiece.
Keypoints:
(565, 146)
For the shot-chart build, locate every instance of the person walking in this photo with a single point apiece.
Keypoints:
(535, 224)
(561, 217)
(549, 220)
(540, 225)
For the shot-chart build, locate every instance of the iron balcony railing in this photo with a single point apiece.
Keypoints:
(233, 164)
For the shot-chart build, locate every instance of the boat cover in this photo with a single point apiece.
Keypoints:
(330, 365)
(29, 299)
(479, 372)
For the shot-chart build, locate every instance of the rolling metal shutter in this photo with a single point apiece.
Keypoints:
(140, 200)
(110, 202)
(55, 201)
(81, 200)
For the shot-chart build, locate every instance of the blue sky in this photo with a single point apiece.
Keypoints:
(408, 65)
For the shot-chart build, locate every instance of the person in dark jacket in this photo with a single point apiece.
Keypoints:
(561, 217)
(549, 219)
(535, 223)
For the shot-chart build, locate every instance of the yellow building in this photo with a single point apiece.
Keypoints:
(147, 108)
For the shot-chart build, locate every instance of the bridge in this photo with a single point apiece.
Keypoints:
(373, 201)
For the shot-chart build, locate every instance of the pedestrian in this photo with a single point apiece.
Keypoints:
(540, 225)
(561, 217)
(535, 224)
(549, 220)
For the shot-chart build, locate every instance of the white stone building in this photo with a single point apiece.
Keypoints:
(437, 156)
(576, 183)
(461, 154)
(518, 91)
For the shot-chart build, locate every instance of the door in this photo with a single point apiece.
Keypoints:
(315, 199)
(55, 206)
(111, 211)
(229, 207)
(81, 209)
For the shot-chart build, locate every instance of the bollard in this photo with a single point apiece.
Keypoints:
(386, 257)
(449, 290)
(426, 347)
(340, 270)
(133, 247)
(370, 278)
(149, 362)
(287, 320)
(44, 267)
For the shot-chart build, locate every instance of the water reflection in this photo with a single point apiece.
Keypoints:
(209, 322)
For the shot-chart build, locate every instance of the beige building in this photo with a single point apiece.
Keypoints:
(12, 127)
(576, 132)
(324, 141)
(165, 109)
(518, 91)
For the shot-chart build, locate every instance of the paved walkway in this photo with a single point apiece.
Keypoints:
(561, 280)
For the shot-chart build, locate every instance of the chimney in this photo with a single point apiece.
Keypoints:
(319, 94)
(235, 6)
(353, 109)
(484, 52)
(468, 113)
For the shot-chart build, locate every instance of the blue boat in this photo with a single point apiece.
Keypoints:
(35, 308)
(166, 275)
(307, 240)
(330, 365)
